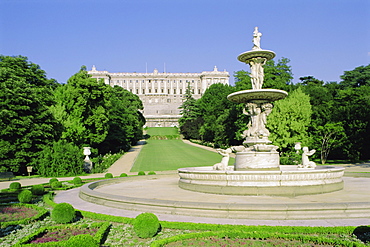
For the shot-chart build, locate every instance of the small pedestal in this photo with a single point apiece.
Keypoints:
(257, 160)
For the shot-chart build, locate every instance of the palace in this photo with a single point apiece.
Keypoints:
(162, 93)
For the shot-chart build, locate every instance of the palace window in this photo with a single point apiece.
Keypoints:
(143, 91)
(168, 100)
(180, 91)
(137, 91)
(168, 91)
(174, 91)
(156, 90)
(150, 90)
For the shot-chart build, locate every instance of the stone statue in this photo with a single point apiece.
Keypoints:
(266, 110)
(305, 161)
(251, 110)
(223, 165)
(258, 119)
(257, 72)
(256, 39)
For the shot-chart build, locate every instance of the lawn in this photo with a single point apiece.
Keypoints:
(162, 131)
(164, 155)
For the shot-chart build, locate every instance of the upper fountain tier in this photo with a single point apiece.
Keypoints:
(256, 58)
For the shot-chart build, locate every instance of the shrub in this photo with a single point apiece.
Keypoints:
(108, 175)
(146, 225)
(141, 173)
(60, 159)
(25, 196)
(15, 186)
(52, 180)
(63, 213)
(151, 173)
(77, 180)
(56, 185)
(82, 240)
(123, 175)
(38, 189)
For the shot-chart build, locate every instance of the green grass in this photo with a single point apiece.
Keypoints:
(165, 155)
(162, 131)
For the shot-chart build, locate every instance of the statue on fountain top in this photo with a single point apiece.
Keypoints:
(256, 39)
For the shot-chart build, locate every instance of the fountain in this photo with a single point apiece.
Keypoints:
(257, 187)
(257, 169)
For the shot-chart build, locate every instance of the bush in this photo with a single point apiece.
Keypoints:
(141, 173)
(146, 225)
(108, 175)
(56, 185)
(82, 240)
(63, 213)
(15, 186)
(60, 159)
(52, 180)
(77, 180)
(38, 189)
(123, 175)
(25, 196)
(151, 173)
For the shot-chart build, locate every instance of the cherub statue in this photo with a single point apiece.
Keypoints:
(223, 165)
(305, 161)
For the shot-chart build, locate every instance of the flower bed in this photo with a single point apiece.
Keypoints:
(15, 214)
(59, 235)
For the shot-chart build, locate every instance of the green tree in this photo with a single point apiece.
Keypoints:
(277, 75)
(219, 115)
(289, 121)
(81, 109)
(358, 77)
(125, 125)
(26, 124)
(190, 120)
(352, 108)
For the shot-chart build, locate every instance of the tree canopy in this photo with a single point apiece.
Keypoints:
(26, 124)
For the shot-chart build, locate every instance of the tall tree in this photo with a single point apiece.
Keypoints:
(289, 121)
(190, 120)
(26, 125)
(219, 115)
(125, 120)
(81, 109)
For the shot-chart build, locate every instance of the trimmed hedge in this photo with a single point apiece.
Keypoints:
(98, 237)
(256, 235)
(41, 213)
(63, 213)
(77, 181)
(108, 175)
(146, 225)
(141, 173)
(123, 175)
(38, 189)
(25, 196)
(15, 186)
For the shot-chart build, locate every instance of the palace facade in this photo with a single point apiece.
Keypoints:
(162, 93)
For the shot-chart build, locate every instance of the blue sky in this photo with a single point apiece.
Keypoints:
(322, 38)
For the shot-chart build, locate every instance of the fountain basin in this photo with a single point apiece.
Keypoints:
(288, 181)
(255, 95)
